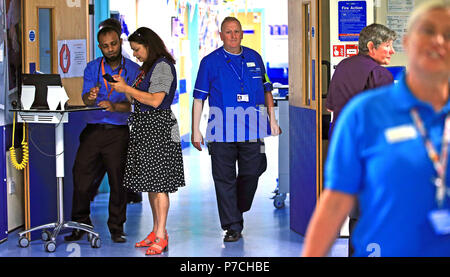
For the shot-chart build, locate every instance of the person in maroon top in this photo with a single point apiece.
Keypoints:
(358, 73)
(363, 71)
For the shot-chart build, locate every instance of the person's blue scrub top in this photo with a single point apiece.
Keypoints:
(93, 75)
(377, 154)
(235, 86)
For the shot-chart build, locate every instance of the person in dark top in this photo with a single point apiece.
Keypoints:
(359, 73)
(132, 197)
(104, 140)
(363, 71)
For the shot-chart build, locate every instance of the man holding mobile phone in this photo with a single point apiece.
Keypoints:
(104, 140)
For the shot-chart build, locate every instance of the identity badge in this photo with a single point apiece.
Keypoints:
(400, 133)
(242, 98)
(440, 220)
(251, 64)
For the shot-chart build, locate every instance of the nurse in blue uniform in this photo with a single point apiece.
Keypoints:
(389, 150)
(241, 114)
(104, 140)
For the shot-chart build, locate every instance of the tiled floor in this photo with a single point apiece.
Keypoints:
(193, 223)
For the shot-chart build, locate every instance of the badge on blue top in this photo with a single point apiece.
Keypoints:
(440, 220)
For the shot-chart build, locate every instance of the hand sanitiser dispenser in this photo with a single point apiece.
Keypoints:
(27, 97)
(56, 95)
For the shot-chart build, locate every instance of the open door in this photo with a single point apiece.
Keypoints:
(305, 111)
(45, 23)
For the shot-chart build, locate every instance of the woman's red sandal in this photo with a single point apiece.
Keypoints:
(149, 240)
(159, 245)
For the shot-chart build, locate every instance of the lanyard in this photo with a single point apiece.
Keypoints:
(135, 84)
(439, 161)
(139, 79)
(104, 81)
(230, 64)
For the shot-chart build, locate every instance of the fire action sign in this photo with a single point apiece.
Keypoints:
(352, 19)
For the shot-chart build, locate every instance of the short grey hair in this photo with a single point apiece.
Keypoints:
(423, 8)
(375, 33)
(229, 19)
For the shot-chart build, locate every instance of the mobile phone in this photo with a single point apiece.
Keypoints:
(109, 78)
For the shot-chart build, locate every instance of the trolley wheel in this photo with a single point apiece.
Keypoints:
(96, 242)
(278, 202)
(50, 246)
(46, 235)
(24, 242)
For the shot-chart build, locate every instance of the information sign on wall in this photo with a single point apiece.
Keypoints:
(71, 58)
(352, 19)
(338, 50)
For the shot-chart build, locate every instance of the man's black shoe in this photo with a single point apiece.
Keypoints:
(118, 237)
(76, 235)
(232, 236)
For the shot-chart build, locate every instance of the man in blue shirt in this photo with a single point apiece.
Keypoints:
(234, 80)
(104, 141)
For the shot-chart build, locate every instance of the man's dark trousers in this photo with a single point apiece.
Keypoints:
(101, 147)
(235, 192)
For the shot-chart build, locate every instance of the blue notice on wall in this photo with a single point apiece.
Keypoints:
(352, 19)
(31, 35)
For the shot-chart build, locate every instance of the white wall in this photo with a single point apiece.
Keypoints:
(274, 48)
(128, 9)
(381, 11)
(156, 15)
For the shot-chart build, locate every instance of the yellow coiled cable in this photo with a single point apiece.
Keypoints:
(25, 152)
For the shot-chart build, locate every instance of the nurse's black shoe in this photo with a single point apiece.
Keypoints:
(232, 236)
(76, 235)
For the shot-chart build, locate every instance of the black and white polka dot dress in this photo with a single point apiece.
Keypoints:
(154, 158)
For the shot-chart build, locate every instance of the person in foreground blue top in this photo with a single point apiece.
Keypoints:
(234, 80)
(386, 152)
(360, 73)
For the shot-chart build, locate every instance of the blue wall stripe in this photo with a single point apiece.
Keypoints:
(101, 12)
(3, 192)
(185, 140)
(182, 87)
(313, 71)
(302, 167)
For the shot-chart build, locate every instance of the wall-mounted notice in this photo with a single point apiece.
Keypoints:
(338, 50)
(71, 58)
(352, 19)
(397, 23)
(400, 6)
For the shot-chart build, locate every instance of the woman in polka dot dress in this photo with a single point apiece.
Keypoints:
(154, 159)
